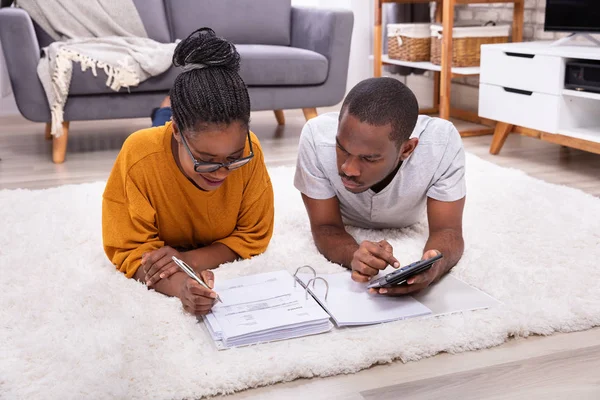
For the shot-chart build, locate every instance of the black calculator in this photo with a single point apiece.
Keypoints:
(400, 276)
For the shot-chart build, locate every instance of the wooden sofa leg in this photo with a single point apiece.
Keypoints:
(280, 117)
(309, 113)
(59, 145)
(48, 131)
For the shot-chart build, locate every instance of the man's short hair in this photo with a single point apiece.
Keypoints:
(381, 101)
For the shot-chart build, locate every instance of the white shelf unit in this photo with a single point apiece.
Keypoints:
(522, 86)
(445, 11)
(585, 95)
(588, 134)
(385, 59)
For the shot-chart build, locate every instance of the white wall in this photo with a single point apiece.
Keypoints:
(361, 67)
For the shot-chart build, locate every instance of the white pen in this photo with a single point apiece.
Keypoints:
(188, 270)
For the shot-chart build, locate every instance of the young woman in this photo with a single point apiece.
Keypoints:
(196, 188)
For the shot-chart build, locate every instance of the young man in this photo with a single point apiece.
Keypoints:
(378, 164)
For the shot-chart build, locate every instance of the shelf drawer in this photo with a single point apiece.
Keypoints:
(537, 73)
(529, 109)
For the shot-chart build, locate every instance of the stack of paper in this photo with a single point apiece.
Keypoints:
(349, 303)
(263, 308)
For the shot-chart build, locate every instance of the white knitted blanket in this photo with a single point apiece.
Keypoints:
(98, 34)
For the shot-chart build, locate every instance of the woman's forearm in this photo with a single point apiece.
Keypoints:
(210, 257)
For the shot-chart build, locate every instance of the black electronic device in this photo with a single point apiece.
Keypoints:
(572, 16)
(583, 75)
(401, 275)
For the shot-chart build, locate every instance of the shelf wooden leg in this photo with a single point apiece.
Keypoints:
(48, 131)
(309, 113)
(476, 132)
(377, 45)
(438, 12)
(437, 75)
(500, 134)
(59, 145)
(280, 117)
(436, 90)
(518, 18)
(446, 73)
(470, 116)
(429, 111)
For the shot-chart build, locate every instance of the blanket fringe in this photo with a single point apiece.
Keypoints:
(119, 76)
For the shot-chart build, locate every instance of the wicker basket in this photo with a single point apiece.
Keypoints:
(409, 42)
(466, 43)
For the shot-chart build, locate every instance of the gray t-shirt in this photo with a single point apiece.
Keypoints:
(435, 169)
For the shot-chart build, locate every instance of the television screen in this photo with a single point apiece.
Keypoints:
(572, 15)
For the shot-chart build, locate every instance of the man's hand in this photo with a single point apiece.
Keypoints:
(370, 258)
(158, 264)
(195, 298)
(417, 282)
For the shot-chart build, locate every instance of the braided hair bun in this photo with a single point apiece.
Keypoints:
(203, 47)
(209, 89)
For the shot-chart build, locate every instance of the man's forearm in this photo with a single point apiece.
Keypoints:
(210, 256)
(450, 242)
(335, 244)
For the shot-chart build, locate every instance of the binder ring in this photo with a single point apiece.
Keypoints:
(313, 280)
(304, 266)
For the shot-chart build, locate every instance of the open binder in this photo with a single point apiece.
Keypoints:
(349, 303)
(278, 305)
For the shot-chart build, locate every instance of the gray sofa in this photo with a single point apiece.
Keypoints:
(290, 58)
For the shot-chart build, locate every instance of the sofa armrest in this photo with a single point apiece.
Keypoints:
(327, 32)
(22, 54)
(322, 30)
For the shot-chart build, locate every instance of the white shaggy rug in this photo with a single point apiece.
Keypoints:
(72, 327)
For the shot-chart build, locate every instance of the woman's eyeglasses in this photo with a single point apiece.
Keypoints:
(203, 167)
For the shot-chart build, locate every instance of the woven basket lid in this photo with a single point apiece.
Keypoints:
(467, 31)
(409, 30)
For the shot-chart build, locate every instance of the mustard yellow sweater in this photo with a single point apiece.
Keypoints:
(148, 203)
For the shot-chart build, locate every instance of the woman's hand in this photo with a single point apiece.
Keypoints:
(195, 298)
(158, 264)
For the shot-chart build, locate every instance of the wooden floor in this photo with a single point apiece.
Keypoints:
(93, 146)
(562, 366)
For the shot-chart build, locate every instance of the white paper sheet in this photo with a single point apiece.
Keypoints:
(349, 303)
(263, 308)
(450, 295)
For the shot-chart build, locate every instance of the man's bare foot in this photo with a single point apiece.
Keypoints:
(166, 102)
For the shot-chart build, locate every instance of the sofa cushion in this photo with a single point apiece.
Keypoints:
(264, 65)
(261, 65)
(241, 21)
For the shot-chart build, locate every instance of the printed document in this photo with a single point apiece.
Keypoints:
(263, 308)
